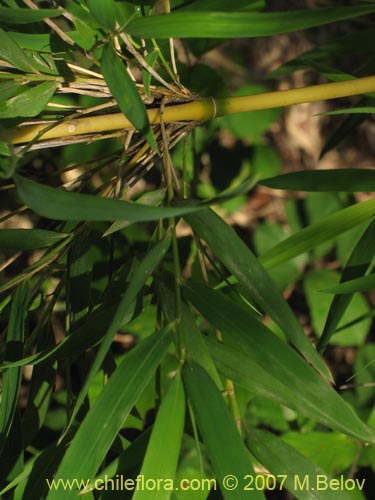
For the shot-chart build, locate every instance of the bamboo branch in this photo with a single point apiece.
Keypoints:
(196, 111)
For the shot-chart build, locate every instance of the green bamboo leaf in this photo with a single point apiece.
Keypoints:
(357, 265)
(196, 348)
(352, 43)
(35, 484)
(344, 179)
(65, 205)
(239, 24)
(11, 379)
(348, 125)
(29, 103)
(86, 336)
(301, 476)
(332, 451)
(243, 264)
(126, 94)
(8, 89)
(128, 461)
(40, 392)
(223, 5)
(363, 284)
(225, 447)
(28, 239)
(32, 41)
(104, 12)
(26, 16)
(318, 233)
(150, 198)
(79, 273)
(11, 52)
(142, 272)
(107, 12)
(85, 454)
(320, 305)
(151, 59)
(350, 111)
(294, 385)
(162, 453)
(288, 379)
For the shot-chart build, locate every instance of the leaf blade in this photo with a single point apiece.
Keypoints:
(220, 435)
(318, 233)
(29, 103)
(284, 460)
(163, 449)
(238, 24)
(64, 205)
(243, 264)
(126, 94)
(110, 410)
(344, 179)
(244, 333)
(11, 380)
(28, 239)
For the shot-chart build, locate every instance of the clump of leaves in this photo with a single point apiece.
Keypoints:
(217, 343)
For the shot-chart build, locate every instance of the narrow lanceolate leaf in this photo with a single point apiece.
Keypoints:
(163, 451)
(28, 239)
(370, 110)
(143, 271)
(344, 179)
(299, 475)
(356, 267)
(294, 385)
(223, 5)
(125, 92)
(238, 24)
(196, 348)
(26, 16)
(64, 205)
(11, 378)
(243, 264)
(287, 377)
(318, 233)
(11, 52)
(8, 89)
(363, 284)
(225, 447)
(30, 103)
(105, 419)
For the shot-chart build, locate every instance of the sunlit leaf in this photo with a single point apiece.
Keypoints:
(160, 461)
(30, 102)
(243, 264)
(357, 265)
(85, 454)
(224, 445)
(288, 379)
(239, 24)
(26, 16)
(300, 476)
(13, 54)
(318, 233)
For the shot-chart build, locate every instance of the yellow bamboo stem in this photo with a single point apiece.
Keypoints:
(200, 110)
